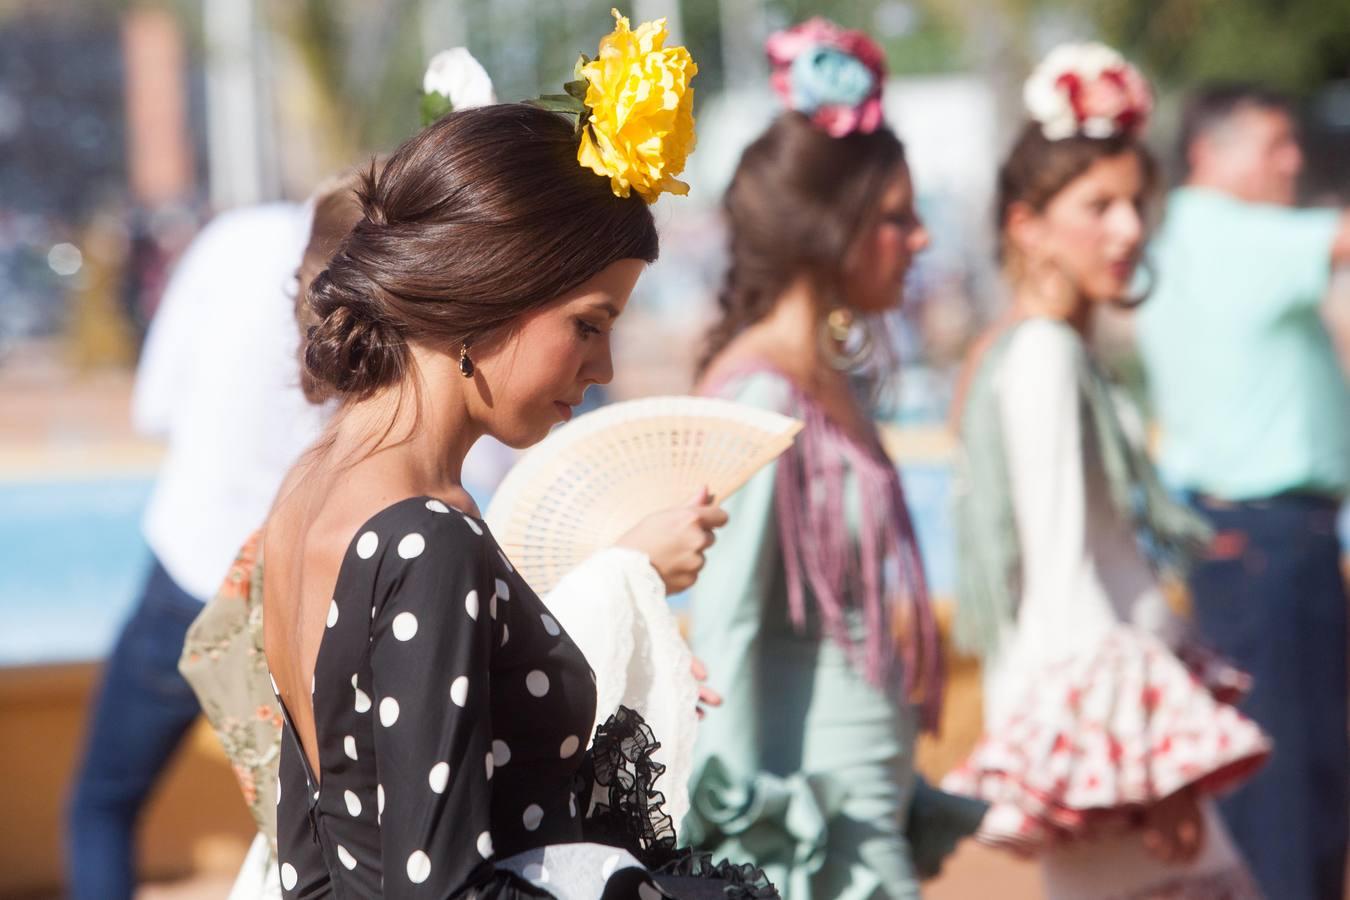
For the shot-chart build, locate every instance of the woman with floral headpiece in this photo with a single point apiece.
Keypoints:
(1106, 728)
(812, 614)
(435, 716)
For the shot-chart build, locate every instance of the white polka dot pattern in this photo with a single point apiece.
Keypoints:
(536, 683)
(532, 817)
(425, 567)
(405, 626)
(419, 867)
(412, 546)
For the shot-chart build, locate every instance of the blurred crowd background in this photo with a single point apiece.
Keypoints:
(125, 126)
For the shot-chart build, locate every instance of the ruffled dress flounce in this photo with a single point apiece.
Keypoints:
(1098, 737)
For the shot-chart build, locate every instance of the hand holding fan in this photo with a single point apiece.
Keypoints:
(590, 481)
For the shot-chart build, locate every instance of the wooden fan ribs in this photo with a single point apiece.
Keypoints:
(591, 481)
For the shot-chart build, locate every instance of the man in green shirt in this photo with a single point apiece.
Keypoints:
(1255, 417)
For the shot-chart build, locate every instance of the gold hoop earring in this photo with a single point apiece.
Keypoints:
(1136, 299)
(465, 361)
(845, 340)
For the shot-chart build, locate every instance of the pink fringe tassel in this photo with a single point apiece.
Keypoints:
(818, 548)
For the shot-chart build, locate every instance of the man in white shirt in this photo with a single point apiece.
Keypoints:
(218, 380)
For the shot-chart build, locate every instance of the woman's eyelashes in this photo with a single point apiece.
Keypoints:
(585, 330)
(901, 217)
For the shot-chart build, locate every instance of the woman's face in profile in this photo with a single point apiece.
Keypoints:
(532, 377)
(1093, 229)
(875, 271)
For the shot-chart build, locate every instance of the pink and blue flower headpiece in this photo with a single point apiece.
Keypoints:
(831, 75)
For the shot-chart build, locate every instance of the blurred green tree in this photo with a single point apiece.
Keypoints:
(1297, 45)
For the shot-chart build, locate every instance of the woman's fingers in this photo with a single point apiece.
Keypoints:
(1191, 834)
(702, 498)
(710, 517)
(1174, 829)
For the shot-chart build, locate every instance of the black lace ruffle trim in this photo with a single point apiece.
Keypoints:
(617, 786)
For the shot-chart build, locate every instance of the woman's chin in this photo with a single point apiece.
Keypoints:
(1108, 291)
(523, 435)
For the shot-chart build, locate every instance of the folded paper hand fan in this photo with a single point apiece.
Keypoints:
(590, 481)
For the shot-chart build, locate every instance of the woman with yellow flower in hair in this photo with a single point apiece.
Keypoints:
(436, 718)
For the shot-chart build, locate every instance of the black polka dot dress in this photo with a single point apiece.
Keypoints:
(452, 715)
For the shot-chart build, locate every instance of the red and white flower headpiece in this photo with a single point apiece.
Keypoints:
(1087, 89)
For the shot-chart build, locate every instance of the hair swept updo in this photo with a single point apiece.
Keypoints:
(478, 219)
(797, 202)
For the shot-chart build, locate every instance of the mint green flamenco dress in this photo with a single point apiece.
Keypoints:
(807, 769)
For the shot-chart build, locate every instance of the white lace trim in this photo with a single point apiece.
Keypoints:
(614, 607)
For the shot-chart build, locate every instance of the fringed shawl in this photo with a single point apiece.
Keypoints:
(879, 576)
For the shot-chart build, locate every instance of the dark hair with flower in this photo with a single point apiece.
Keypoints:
(1085, 102)
(799, 200)
(474, 222)
(831, 75)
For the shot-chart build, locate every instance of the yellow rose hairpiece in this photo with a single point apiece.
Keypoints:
(634, 109)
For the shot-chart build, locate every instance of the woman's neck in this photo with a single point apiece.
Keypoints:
(416, 433)
(790, 334)
(1030, 300)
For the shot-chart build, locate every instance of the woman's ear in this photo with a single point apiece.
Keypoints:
(1025, 230)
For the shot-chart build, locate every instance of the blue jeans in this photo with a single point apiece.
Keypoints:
(143, 709)
(1271, 597)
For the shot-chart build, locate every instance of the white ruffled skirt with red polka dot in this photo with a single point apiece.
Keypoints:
(1100, 736)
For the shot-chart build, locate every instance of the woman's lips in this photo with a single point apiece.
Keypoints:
(563, 410)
